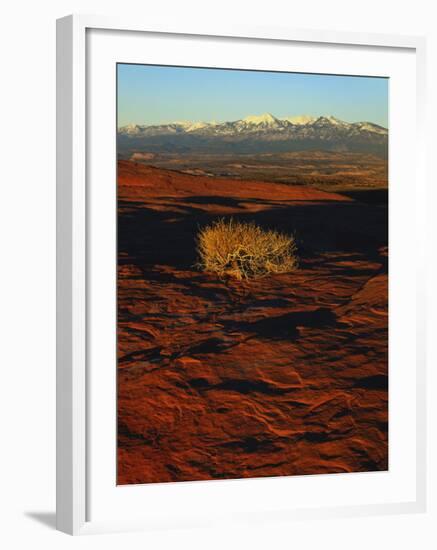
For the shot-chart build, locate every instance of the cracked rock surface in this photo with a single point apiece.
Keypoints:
(283, 375)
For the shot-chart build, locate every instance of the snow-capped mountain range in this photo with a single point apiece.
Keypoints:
(256, 133)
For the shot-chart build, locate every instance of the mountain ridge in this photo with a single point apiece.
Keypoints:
(257, 133)
(263, 120)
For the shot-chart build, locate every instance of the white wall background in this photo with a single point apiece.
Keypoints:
(27, 289)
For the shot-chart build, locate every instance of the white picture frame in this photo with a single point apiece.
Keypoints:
(74, 469)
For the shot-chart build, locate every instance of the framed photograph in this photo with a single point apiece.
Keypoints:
(240, 275)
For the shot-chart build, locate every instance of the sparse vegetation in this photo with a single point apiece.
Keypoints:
(245, 250)
(327, 170)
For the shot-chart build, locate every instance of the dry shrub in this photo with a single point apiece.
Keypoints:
(245, 250)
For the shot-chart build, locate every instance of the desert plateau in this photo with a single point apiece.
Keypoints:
(220, 378)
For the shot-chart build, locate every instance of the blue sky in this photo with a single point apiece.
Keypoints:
(158, 94)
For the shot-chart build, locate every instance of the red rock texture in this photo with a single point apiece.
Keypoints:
(284, 375)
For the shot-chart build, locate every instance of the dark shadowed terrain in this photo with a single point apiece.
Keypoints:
(284, 375)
